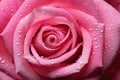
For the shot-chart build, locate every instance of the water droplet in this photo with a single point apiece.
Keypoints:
(95, 23)
(79, 67)
(101, 36)
(96, 42)
(16, 39)
(96, 29)
(19, 31)
(95, 38)
(2, 61)
(101, 31)
(26, 5)
(2, 9)
(18, 54)
(42, 57)
(81, 62)
(94, 53)
(17, 43)
(96, 46)
(102, 24)
(26, 43)
(12, 67)
(112, 20)
(52, 62)
(57, 73)
(111, 48)
(42, 11)
(98, 0)
(98, 26)
(90, 29)
(20, 35)
(84, 4)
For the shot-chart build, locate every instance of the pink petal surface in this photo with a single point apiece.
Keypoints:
(113, 71)
(96, 30)
(6, 63)
(7, 10)
(58, 60)
(82, 5)
(4, 76)
(114, 3)
(111, 18)
(23, 10)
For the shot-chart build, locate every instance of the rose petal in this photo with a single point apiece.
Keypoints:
(58, 60)
(6, 63)
(7, 9)
(4, 76)
(111, 18)
(24, 9)
(113, 71)
(82, 5)
(96, 30)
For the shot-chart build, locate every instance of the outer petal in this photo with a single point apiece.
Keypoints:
(7, 9)
(114, 3)
(82, 5)
(111, 18)
(25, 9)
(95, 29)
(113, 71)
(4, 76)
(6, 63)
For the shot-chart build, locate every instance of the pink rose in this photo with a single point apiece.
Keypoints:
(59, 40)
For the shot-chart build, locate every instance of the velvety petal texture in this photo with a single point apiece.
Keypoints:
(59, 40)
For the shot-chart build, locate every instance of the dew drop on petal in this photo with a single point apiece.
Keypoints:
(78, 67)
(57, 73)
(18, 54)
(95, 38)
(101, 36)
(90, 29)
(26, 5)
(94, 53)
(101, 31)
(96, 42)
(20, 35)
(26, 43)
(96, 29)
(2, 9)
(95, 23)
(112, 20)
(12, 67)
(96, 46)
(42, 57)
(19, 31)
(17, 43)
(42, 11)
(98, 26)
(81, 62)
(2, 61)
(52, 62)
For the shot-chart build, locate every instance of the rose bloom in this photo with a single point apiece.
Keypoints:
(59, 40)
